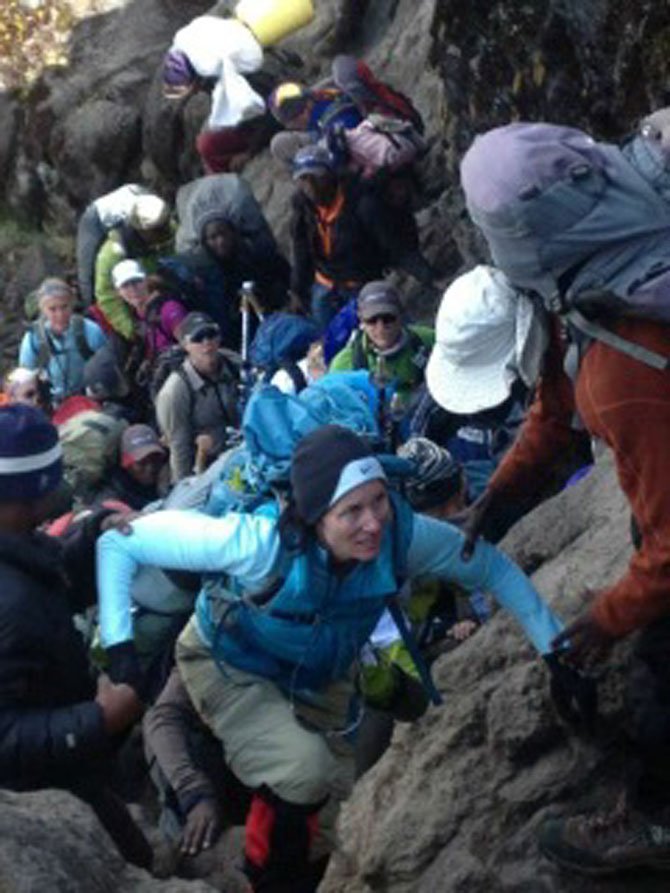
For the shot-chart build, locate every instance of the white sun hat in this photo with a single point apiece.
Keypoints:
(487, 336)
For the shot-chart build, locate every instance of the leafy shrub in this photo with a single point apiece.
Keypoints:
(34, 34)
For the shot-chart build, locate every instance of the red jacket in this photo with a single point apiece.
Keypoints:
(626, 404)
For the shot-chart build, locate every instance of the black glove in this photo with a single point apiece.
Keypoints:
(123, 665)
(410, 700)
(574, 693)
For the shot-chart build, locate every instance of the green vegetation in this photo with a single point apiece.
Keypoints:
(16, 236)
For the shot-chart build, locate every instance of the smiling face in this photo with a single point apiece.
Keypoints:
(135, 293)
(383, 330)
(57, 311)
(353, 528)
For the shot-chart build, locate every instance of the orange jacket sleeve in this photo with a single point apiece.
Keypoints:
(546, 432)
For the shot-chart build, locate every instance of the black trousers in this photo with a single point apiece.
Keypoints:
(649, 709)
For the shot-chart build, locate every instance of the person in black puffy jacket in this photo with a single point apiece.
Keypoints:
(57, 726)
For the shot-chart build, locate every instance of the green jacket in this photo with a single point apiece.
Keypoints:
(406, 367)
(110, 302)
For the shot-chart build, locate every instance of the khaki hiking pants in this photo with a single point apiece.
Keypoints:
(267, 741)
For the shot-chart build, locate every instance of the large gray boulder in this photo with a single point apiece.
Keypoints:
(51, 841)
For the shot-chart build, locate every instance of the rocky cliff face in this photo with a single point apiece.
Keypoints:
(454, 804)
(469, 66)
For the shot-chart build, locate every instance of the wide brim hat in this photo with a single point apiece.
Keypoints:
(488, 335)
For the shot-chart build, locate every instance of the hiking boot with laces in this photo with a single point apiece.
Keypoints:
(605, 843)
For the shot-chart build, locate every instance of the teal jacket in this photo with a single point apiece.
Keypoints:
(315, 622)
(318, 626)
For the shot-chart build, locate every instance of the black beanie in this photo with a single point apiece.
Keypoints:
(317, 463)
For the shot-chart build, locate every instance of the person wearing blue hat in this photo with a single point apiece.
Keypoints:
(344, 234)
(57, 728)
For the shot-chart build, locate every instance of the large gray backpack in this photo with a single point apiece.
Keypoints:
(584, 224)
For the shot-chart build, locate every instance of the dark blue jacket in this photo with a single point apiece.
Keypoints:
(50, 726)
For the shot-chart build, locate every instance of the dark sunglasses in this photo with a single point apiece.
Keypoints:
(386, 318)
(209, 333)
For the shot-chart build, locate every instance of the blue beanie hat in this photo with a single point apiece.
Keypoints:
(31, 462)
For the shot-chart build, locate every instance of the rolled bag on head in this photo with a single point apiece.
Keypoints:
(229, 197)
(273, 20)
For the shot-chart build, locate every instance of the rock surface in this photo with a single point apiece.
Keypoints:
(455, 803)
(83, 130)
(52, 842)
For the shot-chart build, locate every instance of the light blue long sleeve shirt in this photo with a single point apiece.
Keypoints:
(65, 366)
(247, 547)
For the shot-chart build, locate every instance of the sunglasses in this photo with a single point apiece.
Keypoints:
(386, 318)
(209, 333)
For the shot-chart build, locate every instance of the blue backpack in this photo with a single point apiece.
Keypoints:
(584, 224)
(272, 425)
(339, 329)
(280, 341)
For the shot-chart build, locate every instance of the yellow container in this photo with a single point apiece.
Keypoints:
(272, 20)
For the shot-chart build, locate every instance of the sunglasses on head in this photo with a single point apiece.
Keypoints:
(209, 333)
(386, 318)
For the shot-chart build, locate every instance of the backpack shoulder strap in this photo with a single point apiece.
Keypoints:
(358, 358)
(402, 536)
(607, 336)
(182, 373)
(79, 332)
(420, 350)
(396, 612)
(40, 343)
(403, 525)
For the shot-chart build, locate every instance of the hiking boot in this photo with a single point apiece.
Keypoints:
(605, 843)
